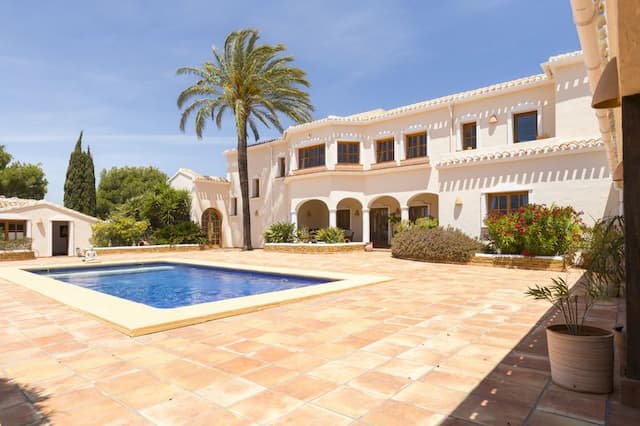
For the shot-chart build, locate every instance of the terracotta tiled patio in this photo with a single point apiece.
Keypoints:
(457, 345)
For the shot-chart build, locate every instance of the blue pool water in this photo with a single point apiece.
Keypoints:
(171, 285)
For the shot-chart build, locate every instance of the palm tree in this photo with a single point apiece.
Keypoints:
(256, 83)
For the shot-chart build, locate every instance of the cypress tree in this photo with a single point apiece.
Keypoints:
(80, 182)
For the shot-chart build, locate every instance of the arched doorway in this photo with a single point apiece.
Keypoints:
(423, 205)
(349, 218)
(211, 226)
(313, 215)
(384, 212)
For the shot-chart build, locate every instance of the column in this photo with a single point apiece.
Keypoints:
(332, 218)
(294, 218)
(365, 226)
(404, 213)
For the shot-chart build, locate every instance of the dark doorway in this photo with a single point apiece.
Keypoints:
(379, 227)
(60, 238)
(211, 224)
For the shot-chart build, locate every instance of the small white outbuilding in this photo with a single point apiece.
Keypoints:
(55, 230)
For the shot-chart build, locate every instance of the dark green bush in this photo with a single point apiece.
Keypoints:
(303, 235)
(603, 252)
(435, 245)
(280, 232)
(181, 233)
(330, 235)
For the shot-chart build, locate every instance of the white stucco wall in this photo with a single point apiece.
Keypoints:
(40, 218)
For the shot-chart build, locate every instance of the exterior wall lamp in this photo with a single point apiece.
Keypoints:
(459, 201)
(607, 93)
(493, 119)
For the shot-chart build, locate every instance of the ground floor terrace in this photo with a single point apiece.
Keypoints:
(438, 344)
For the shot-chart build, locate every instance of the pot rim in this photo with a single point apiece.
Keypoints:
(597, 331)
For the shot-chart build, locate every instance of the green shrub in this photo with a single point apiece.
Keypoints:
(280, 232)
(603, 252)
(420, 223)
(536, 230)
(330, 235)
(19, 244)
(435, 245)
(181, 233)
(119, 231)
(303, 235)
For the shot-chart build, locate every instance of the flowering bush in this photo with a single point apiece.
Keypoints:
(536, 230)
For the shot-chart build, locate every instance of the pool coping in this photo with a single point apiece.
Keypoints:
(137, 319)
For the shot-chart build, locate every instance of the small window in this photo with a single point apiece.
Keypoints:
(507, 202)
(256, 188)
(416, 212)
(281, 167)
(349, 152)
(12, 230)
(384, 150)
(234, 206)
(525, 126)
(312, 156)
(343, 219)
(469, 135)
(417, 145)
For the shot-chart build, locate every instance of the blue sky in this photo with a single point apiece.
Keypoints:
(109, 67)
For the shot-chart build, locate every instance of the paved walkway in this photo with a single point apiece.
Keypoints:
(456, 345)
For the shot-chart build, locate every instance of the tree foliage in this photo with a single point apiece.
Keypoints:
(22, 180)
(80, 182)
(255, 82)
(119, 231)
(120, 184)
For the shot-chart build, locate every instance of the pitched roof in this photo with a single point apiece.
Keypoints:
(8, 204)
(197, 176)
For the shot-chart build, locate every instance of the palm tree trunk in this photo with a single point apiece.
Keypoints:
(244, 183)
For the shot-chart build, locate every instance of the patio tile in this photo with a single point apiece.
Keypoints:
(491, 411)
(309, 415)
(392, 413)
(270, 375)
(304, 387)
(435, 398)
(271, 354)
(349, 401)
(541, 418)
(337, 372)
(186, 410)
(404, 368)
(363, 359)
(125, 382)
(379, 383)
(239, 365)
(148, 395)
(300, 361)
(230, 391)
(578, 405)
(266, 406)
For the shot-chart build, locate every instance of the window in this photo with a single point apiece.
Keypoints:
(384, 150)
(507, 202)
(349, 152)
(256, 188)
(469, 135)
(343, 219)
(417, 212)
(525, 126)
(12, 229)
(234, 206)
(312, 156)
(281, 167)
(417, 145)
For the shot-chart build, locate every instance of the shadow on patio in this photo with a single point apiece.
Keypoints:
(21, 404)
(519, 389)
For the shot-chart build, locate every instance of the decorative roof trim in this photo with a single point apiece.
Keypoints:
(520, 152)
(194, 176)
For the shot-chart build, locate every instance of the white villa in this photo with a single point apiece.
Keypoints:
(455, 158)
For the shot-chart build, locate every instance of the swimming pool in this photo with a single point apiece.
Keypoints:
(137, 318)
(171, 285)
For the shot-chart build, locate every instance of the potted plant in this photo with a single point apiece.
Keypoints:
(581, 356)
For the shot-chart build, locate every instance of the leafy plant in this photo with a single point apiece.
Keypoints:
(330, 235)
(603, 251)
(536, 230)
(18, 244)
(435, 245)
(181, 233)
(303, 235)
(569, 303)
(280, 232)
(119, 231)
(419, 223)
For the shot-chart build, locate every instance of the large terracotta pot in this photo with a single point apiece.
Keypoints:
(581, 363)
